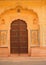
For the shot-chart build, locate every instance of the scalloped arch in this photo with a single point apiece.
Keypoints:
(20, 13)
(29, 11)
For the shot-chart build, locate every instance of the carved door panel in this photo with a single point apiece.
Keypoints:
(23, 42)
(19, 37)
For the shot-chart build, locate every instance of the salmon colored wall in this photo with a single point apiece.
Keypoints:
(38, 6)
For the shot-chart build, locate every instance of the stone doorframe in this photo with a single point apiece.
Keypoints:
(19, 12)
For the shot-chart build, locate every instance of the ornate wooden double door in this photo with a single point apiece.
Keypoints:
(18, 37)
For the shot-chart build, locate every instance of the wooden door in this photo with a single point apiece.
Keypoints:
(18, 37)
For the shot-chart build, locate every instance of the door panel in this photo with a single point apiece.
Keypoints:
(19, 37)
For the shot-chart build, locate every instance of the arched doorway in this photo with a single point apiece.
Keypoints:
(18, 37)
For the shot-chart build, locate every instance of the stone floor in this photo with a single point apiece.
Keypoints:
(22, 61)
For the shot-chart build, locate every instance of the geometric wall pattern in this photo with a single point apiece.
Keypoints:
(35, 41)
(3, 38)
